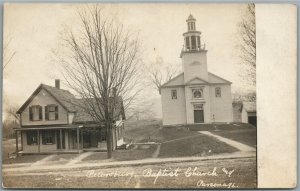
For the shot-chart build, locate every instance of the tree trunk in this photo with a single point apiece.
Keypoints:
(109, 140)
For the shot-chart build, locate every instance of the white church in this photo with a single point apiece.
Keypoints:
(196, 95)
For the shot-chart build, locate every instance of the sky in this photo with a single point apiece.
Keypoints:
(33, 31)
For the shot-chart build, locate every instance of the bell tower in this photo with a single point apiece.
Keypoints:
(193, 54)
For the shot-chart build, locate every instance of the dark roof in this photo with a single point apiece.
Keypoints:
(63, 97)
(191, 17)
(82, 115)
(79, 106)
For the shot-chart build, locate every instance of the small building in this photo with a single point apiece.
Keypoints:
(245, 112)
(52, 121)
(196, 95)
(249, 113)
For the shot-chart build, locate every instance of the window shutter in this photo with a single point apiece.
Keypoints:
(30, 114)
(40, 112)
(56, 112)
(46, 112)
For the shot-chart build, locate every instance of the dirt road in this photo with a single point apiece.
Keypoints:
(222, 173)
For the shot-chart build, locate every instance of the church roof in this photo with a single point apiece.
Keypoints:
(214, 79)
(176, 81)
(179, 80)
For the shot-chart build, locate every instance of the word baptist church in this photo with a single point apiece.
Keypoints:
(196, 95)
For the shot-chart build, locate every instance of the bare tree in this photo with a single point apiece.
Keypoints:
(143, 110)
(101, 65)
(12, 112)
(247, 43)
(159, 74)
(8, 55)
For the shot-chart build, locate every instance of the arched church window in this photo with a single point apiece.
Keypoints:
(218, 92)
(197, 93)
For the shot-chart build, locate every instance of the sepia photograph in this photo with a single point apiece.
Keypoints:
(129, 95)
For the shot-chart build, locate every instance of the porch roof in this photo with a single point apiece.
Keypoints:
(46, 128)
(49, 127)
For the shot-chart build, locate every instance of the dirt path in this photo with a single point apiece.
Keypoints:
(44, 160)
(238, 145)
(79, 158)
(156, 153)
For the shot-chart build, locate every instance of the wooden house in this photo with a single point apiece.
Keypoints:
(52, 121)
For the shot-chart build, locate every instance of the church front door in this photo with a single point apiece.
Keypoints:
(198, 116)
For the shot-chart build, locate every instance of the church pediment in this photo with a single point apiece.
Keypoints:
(196, 80)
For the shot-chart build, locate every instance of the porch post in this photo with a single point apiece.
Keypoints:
(60, 138)
(21, 140)
(78, 139)
(39, 142)
(81, 138)
(17, 143)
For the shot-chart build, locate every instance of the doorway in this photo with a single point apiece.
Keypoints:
(252, 120)
(198, 116)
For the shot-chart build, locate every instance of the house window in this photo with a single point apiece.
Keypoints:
(48, 137)
(174, 94)
(51, 112)
(218, 92)
(35, 113)
(32, 138)
(197, 93)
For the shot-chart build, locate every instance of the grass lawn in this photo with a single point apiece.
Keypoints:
(184, 141)
(123, 155)
(181, 141)
(219, 126)
(194, 146)
(245, 136)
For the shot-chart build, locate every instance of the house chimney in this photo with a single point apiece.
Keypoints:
(57, 83)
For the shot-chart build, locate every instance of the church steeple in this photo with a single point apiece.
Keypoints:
(192, 39)
(191, 23)
(193, 54)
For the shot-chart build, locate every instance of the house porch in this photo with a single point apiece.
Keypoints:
(63, 139)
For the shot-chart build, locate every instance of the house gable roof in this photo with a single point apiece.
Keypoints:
(63, 97)
(71, 104)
